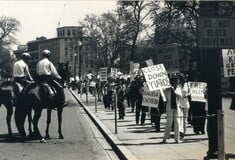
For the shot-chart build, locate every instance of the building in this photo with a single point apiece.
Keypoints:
(69, 46)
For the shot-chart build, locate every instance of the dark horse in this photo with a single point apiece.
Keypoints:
(9, 92)
(38, 96)
(63, 70)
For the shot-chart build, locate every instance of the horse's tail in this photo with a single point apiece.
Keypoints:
(6, 96)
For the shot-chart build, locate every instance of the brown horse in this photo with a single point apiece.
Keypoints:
(9, 93)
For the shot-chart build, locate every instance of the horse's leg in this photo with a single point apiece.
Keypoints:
(48, 123)
(20, 114)
(30, 122)
(8, 118)
(59, 114)
(36, 117)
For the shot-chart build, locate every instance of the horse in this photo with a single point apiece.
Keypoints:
(9, 95)
(39, 96)
(63, 70)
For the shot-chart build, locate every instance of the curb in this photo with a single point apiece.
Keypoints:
(119, 148)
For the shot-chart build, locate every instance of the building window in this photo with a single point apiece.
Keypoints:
(68, 32)
(62, 32)
(73, 32)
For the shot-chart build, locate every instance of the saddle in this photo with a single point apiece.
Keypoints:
(20, 86)
(51, 90)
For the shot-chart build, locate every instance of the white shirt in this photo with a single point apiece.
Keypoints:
(20, 69)
(184, 100)
(45, 67)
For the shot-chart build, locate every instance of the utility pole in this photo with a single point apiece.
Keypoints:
(211, 73)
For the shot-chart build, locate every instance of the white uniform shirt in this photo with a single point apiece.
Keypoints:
(20, 69)
(45, 67)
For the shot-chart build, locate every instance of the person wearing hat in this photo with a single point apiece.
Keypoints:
(47, 72)
(21, 72)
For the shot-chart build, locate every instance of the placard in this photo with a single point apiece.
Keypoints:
(103, 74)
(156, 77)
(150, 98)
(229, 62)
(197, 90)
(168, 55)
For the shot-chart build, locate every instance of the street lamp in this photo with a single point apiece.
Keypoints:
(80, 58)
(75, 63)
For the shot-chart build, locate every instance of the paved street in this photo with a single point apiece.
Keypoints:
(145, 144)
(82, 139)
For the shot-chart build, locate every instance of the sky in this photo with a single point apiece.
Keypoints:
(41, 17)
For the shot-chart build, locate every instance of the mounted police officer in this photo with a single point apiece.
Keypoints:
(47, 72)
(21, 72)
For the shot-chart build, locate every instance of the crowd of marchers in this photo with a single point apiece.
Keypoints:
(174, 102)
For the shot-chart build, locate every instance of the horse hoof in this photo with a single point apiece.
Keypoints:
(61, 137)
(43, 140)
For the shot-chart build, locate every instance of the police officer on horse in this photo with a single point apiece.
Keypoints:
(21, 72)
(47, 72)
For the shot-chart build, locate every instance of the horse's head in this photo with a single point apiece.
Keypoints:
(63, 70)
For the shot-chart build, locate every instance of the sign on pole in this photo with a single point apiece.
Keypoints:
(198, 91)
(103, 74)
(216, 32)
(150, 98)
(229, 62)
(168, 55)
(156, 77)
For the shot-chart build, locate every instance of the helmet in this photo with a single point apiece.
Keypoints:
(25, 55)
(46, 53)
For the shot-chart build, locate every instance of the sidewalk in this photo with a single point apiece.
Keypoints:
(142, 142)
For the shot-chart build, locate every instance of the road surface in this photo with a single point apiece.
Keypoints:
(81, 140)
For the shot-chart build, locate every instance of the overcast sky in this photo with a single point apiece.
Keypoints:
(40, 18)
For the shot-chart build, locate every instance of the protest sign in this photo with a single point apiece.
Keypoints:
(198, 91)
(168, 55)
(114, 72)
(229, 62)
(156, 77)
(103, 74)
(150, 98)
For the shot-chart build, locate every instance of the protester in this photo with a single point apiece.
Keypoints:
(198, 111)
(121, 97)
(139, 98)
(184, 103)
(157, 111)
(172, 109)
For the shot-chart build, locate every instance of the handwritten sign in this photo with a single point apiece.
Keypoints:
(229, 62)
(168, 55)
(103, 74)
(198, 91)
(114, 72)
(216, 32)
(150, 98)
(156, 77)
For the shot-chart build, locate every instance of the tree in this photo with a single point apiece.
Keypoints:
(6, 62)
(140, 12)
(8, 28)
(107, 36)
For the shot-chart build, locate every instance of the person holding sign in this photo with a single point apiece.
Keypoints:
(173, 109)
(198, 104)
